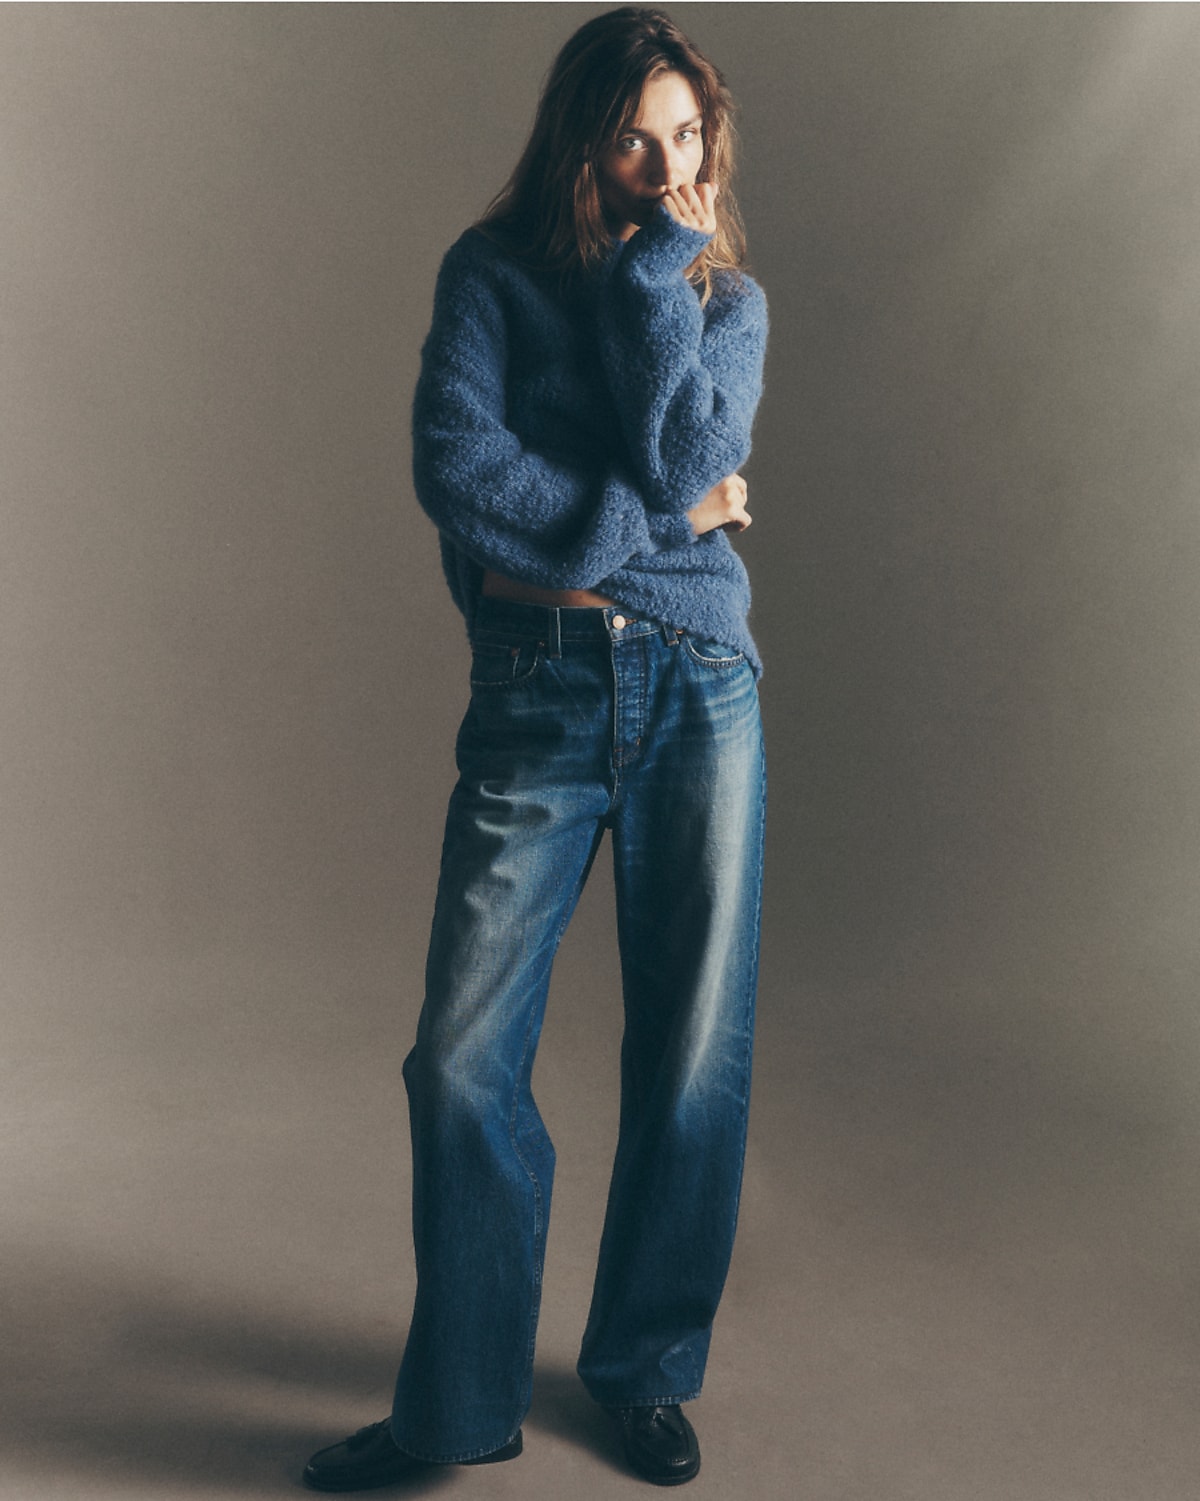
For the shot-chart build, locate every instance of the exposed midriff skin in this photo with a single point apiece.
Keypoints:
(498, 586)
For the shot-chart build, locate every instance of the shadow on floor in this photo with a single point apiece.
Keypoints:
(107, 1377)
(563, 1409)
(112, 1375)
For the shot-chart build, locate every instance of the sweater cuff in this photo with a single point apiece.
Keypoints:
(670, 530)
(663, 248)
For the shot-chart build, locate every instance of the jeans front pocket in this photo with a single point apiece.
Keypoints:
(500, 664)
(711, 653)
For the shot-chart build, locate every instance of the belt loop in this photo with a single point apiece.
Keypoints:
(669, 634)
(554, 632)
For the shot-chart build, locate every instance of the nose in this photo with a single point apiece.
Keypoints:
(668, 165)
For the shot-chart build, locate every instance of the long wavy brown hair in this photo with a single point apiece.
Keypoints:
(550, 209)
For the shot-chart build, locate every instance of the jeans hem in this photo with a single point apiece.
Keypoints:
(456, 1459)
(617, 1404)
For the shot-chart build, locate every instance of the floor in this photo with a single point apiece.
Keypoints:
(949, 1284)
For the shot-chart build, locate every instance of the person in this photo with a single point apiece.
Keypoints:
(584, 405)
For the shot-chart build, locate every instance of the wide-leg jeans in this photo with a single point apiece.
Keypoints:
(580, 721)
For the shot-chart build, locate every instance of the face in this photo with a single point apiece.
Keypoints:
(664, 148)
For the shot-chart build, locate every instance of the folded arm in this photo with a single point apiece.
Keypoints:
(686, 379)
(521, 513)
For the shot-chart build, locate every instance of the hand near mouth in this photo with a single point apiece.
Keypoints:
(693, 205)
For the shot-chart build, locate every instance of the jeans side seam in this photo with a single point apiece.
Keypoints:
(752, 989)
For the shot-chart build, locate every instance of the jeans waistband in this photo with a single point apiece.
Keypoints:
(551, 625)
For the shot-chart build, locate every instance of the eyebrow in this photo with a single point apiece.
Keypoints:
(640, 130)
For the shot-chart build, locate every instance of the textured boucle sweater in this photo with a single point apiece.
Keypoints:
(560, 436)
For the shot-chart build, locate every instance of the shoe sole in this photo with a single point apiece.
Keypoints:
(413, 1467)
(667, 1479)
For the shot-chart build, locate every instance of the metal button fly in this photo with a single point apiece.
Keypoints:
(619, 622)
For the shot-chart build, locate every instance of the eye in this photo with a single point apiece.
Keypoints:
(629, 143)
(688, 133)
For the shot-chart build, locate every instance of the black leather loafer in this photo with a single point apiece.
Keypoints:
(370, 1458)
(660, 1443)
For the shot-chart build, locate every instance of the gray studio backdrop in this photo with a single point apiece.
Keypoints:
(231, 673)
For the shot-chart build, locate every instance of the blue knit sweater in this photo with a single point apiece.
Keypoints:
(561, 436)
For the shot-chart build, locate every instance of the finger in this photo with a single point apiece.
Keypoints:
(681, 207)
(702, 201)
(707, 197)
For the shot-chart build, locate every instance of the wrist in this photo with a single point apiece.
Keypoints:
(663, 248)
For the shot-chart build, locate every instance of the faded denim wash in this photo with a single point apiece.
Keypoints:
(581, 721)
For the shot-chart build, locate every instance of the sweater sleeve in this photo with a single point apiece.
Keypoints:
(686, 379)
(534, 518)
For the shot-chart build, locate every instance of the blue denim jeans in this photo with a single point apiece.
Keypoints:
(581, 721)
